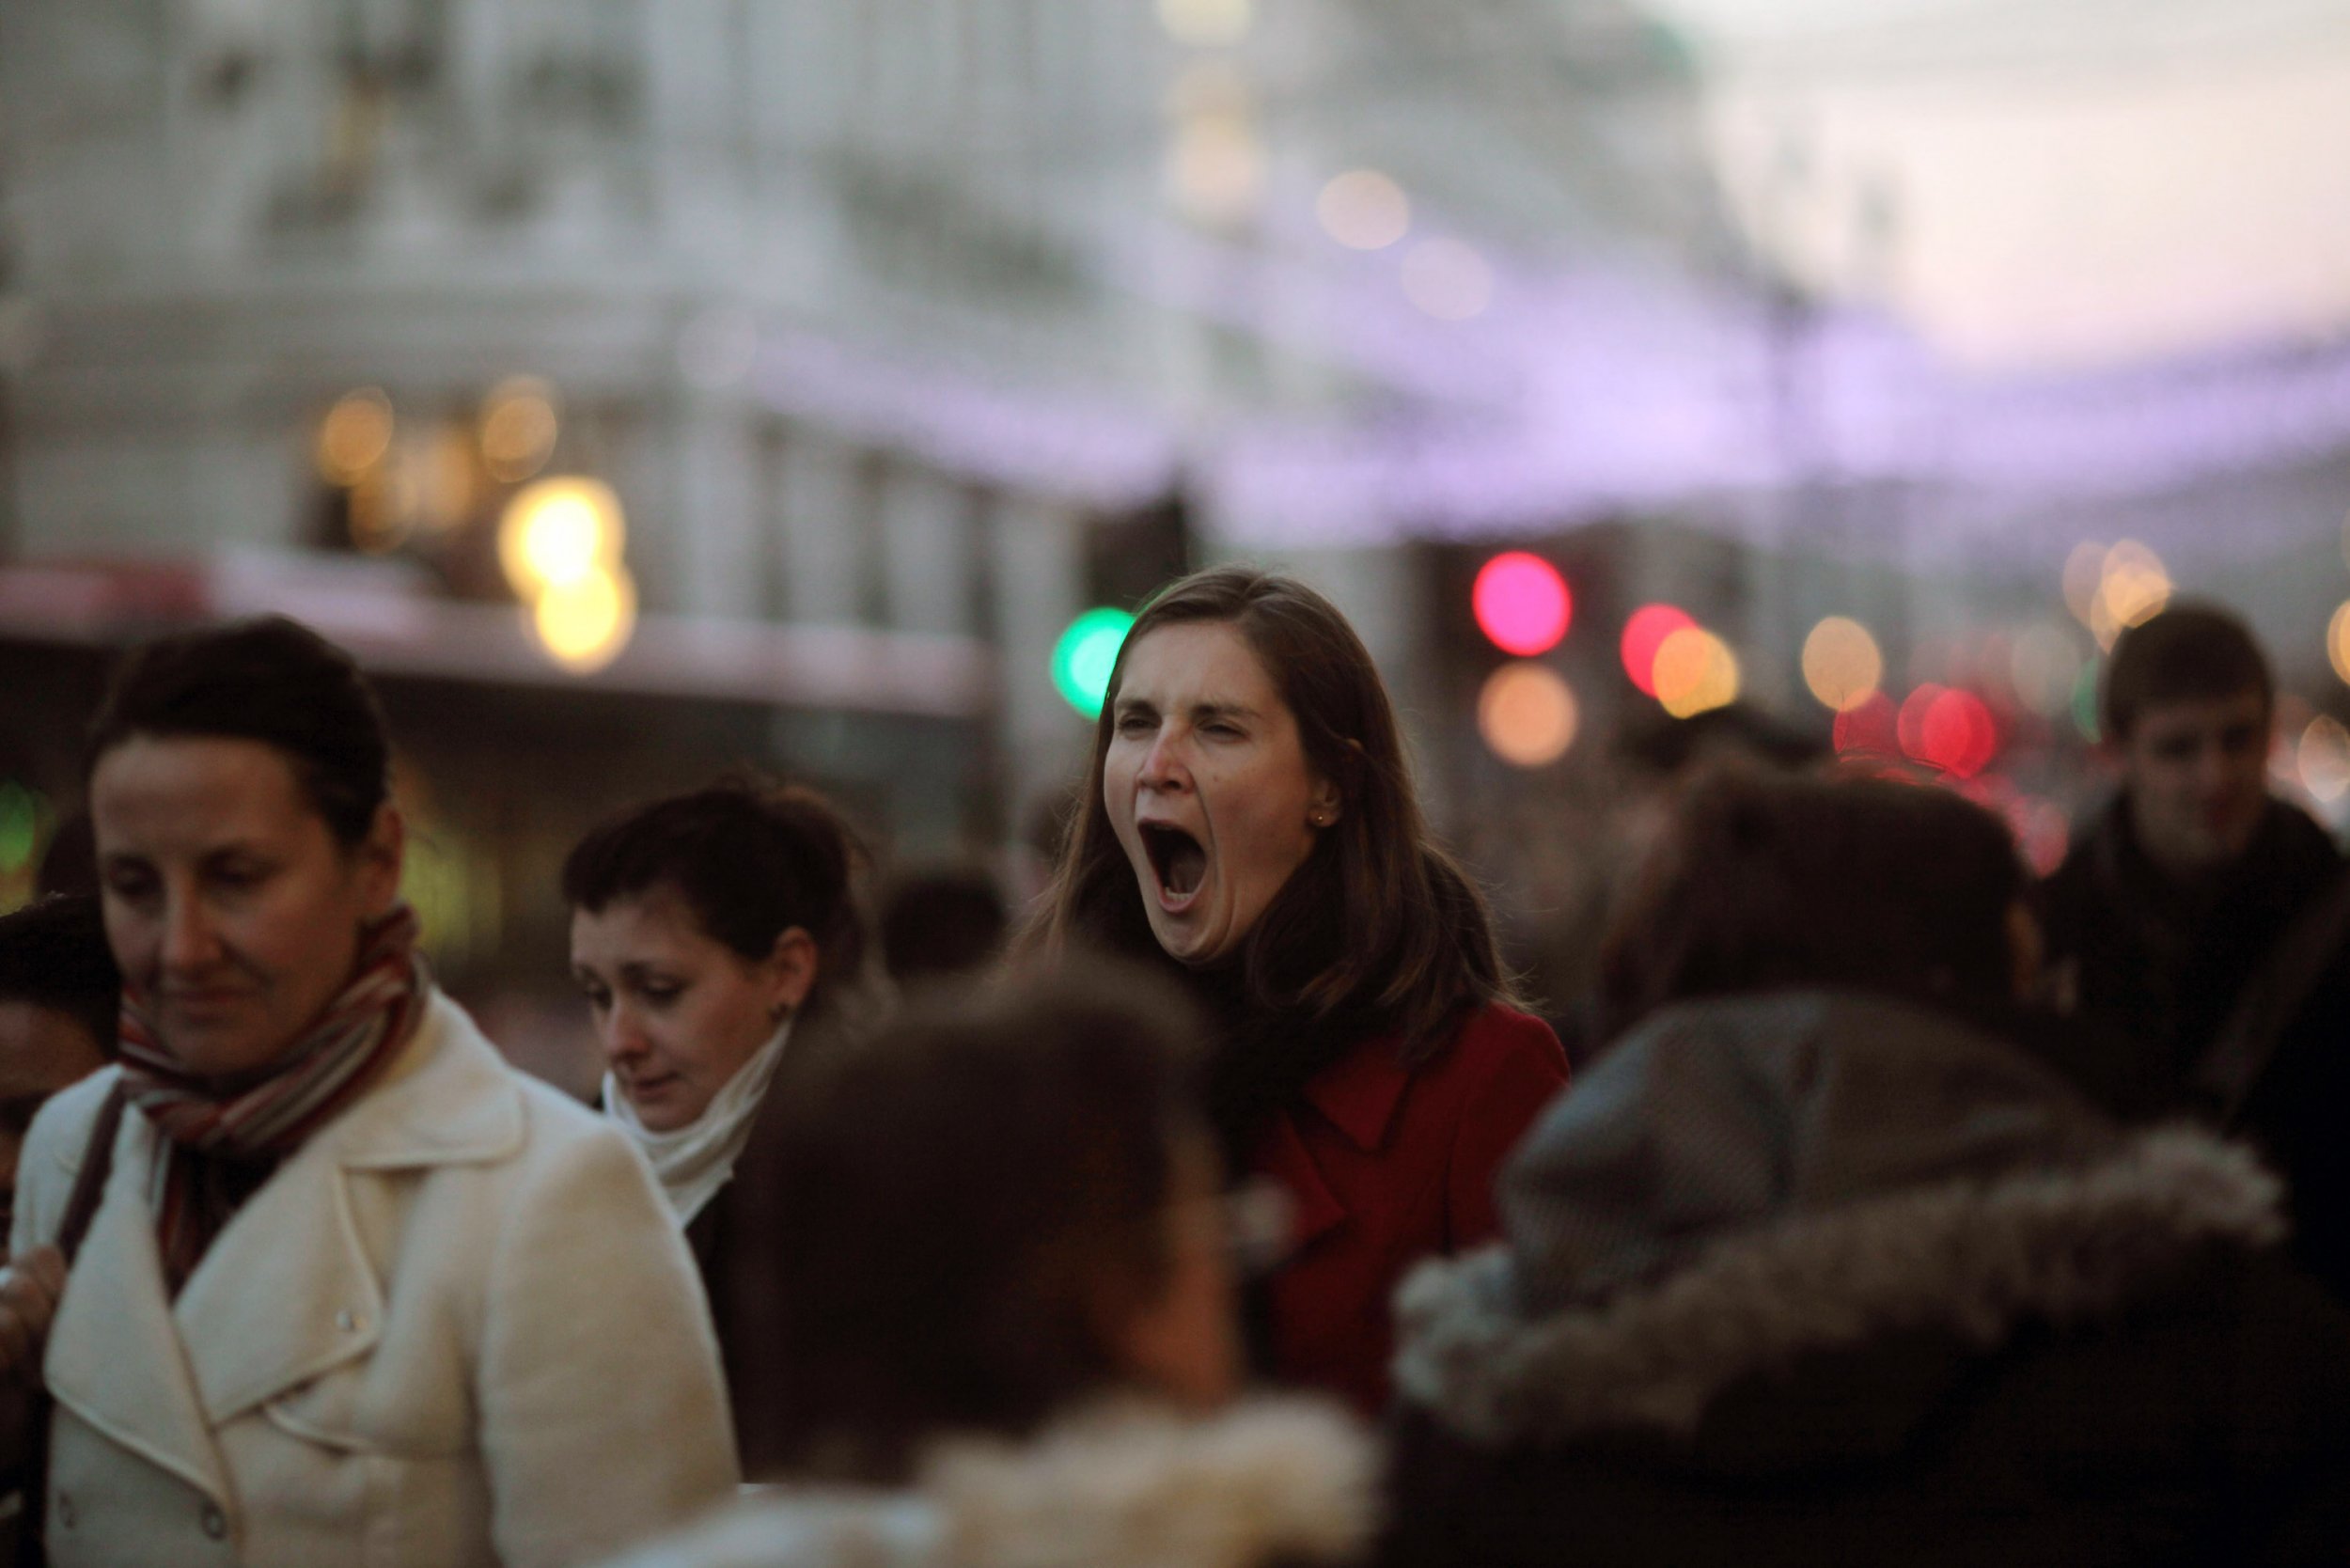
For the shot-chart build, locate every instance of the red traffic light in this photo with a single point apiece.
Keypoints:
(1644, 632)
(1522, 603)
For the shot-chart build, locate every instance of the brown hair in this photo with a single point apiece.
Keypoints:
(1771, 881)
(752, 859)
(2191, 653)
(270, 680)
(937, 1222)
(1379, 924)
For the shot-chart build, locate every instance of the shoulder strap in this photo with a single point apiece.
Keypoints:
(2232, 1067)
(81, 1207)
(90, 1183)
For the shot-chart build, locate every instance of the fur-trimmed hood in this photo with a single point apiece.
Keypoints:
(1286, 1482)
(1771, 1181)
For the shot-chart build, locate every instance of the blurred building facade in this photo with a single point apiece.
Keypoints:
(904, 330)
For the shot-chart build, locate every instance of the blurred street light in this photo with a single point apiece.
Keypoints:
(519, 425)
(1522, 603)
(2338, 640)
(1527, 715)
(1446, 279)
(355, 435)
(558, 531)
(586, 622)
(1206, 23)
(2324, 755)
(1644, 632)
(1841, 664)
(1695, 672)
(1364, 210)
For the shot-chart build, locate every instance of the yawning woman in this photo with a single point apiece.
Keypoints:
(1250, 817)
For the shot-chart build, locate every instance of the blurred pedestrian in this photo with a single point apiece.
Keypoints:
(2207, 922)
(59, 995)
(342, 1282)
(1000, 1321)
(938, 925)
(69, 863)
(717, 937)
(1249, 819)
(1812, 1268)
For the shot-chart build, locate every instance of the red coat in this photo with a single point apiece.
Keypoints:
(1387, 1167)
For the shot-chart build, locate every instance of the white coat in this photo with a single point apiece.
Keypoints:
(1283, 1480)
(458, 1326)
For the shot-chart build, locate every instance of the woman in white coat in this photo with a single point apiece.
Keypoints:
(350, 1290)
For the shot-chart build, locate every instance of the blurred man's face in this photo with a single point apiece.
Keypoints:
(2197, 777)
(41, 1051)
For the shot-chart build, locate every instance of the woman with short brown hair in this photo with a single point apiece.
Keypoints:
(344, 1285)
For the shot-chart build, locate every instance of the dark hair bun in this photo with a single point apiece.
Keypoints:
(270, 680)
(751, 858)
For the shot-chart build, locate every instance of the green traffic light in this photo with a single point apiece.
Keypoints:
(1085, 655)
(19, 827)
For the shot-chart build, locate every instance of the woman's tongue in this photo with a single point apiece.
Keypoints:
(1182, 864)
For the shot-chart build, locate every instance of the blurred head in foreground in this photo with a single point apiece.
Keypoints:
(943, 923)
(1005, 1203)
(1764, 883)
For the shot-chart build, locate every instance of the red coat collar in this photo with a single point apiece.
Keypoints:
(1358, 1095)
(1359, 1092)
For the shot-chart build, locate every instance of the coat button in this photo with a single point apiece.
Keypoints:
(215, 1522)
(64, 1509)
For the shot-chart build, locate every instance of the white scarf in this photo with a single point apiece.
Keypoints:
(695, 1160)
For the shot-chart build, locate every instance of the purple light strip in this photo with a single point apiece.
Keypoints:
(1580, 392)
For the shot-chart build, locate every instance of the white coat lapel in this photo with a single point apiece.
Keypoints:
(284, 1292)
(114, 1358)
(289, 1290)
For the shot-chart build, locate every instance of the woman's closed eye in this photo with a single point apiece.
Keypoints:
(130, 884)
(241, 877)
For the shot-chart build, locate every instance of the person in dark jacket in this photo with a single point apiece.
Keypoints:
(2171, 928)
(2187, 879)
(1814, 1267)
(1249, 823)
(718, 940)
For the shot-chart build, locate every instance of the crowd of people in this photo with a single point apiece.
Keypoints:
(1241, 1214)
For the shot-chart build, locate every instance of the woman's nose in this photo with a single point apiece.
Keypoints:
(1163, 765)
(621, 1037)
(189, 941)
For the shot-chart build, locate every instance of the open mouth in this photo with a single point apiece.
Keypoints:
(1176, 859)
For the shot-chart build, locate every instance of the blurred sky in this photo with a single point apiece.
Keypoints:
(2044, 184)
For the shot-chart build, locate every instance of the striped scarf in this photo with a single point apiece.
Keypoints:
(227, 1135)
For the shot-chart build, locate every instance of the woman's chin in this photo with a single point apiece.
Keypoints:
(665, 1109)
(1188, 939)
(224, 1048)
